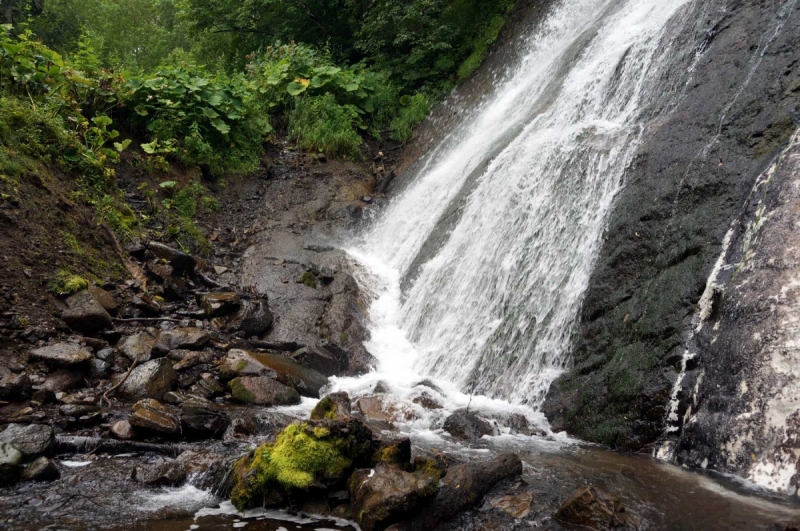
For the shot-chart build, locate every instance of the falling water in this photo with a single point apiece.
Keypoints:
(480, 265)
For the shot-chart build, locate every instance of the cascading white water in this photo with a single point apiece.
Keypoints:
(494, 238)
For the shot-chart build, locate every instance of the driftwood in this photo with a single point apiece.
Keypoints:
(130, 370)
(96, 445)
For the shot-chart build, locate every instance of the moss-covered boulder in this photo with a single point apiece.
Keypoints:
(304, 455)
(262, 391)
(334, 406)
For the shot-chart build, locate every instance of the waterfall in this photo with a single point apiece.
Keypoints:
(480, 264)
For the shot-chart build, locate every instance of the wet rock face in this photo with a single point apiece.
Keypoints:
(30, 439)
(305, 380)
(467, 426)
(262, 391)
(596, 509)
(150, 380)
(160, 474)
(683, 190)
(84, 314)
(62, 354)
(200, 420)
(151, 415)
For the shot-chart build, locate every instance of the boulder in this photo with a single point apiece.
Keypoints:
(262, 391)
(181, 338)
(162, 473)
(334, 406)
(373, 408)
(84, 314)
(427, 401)
(319, 359)
(595, 508)
(181, 262)
(140, 346)
(386, 495)
(219, 304)
(31, 440)
(122, 430)
(306, 381)
(62, 354)
(10, 465)
(15, 387)
(150, 380)
(200, 420)
(253, 318)
(154, 416)
(395, 452)
(43, 469)
(460, 489)
(64, 380)
(467, 426)
(104, 299)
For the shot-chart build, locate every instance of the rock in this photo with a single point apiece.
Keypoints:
(43, 469)
(160, 474)
(15, 387)
(334, 406)
(99, 369)
(175, 289)
(146, 303)
(122, 430)
(394, 452)
(373, 408)
(154, 416)
(319, 359)
(106, 354)
(62, 354)
(596, 509)
(150, 380)
(209, 470)
(306, 381)
(253, 318)
(219, 304)
(77, 410)
(220, 270)
(467, 426)
(41, 397)
(241, 428)
(207, 387)
(31, 439)
(63, 380)
(160, 271)
(262, 391)
(104, 299)
(386, 495)
(181, 338)
(84, 314)
(140, 346)
(427, 401)
(10, 465)
(191, 359)
(200, 420)
(461, 488)
(515, 505)
(181, 262)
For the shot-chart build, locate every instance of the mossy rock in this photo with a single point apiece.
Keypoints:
(304, 455)
(334, 407)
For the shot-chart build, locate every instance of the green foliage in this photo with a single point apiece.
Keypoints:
(413, 109)
(203, 119)
(320, 124)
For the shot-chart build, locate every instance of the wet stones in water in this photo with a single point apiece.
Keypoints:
(150, 380)
(220, 304)
(334, 406)
(140, 346)
(160, 474)
(515, 505)
(62, 354)
(10, 464)
(306, 381)
(241, 428)
(151, 415)
(32, 439)
(262, 391)
(467, 426)
(122, 430)
(84, 314)
(386, 495)
(199, 420)
(207, 387)
(597, 509)
(374, 408)
(395, 452)
(181, 338)
(427, 401)
(319, 359)
(241, 363)
(181, 262)
(43, 469)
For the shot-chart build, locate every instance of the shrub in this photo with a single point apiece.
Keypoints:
(318, 123)
(413, 109)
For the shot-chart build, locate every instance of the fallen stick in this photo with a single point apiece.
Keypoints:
(130, 370)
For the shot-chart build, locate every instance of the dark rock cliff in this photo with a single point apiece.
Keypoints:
(738, 102)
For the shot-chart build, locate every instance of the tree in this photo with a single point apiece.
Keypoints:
(16, 11)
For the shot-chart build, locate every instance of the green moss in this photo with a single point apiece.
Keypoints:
(65, 283)
(309, 279)
(325, 409)
(300, 456)
(240, 392)
(428, 467)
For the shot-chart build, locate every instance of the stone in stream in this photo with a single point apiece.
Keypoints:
(84, 314)
(467, 426)
(386, 495)
(31, 439)
(10, 464)
(595, 508)
(306, 381)
(319, 359)
(334, 406)
(140, 346)
(154, 416)
(199, 419)
(219, 304)
(62, 354)
(181, 262)
(262, 391)
(515, 505)
(122, 430)
(253, 319)
(150, 380)
(181, 338)
(163, 473)
(43, 469)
